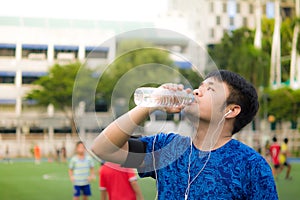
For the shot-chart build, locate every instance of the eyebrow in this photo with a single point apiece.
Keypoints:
(207, 83)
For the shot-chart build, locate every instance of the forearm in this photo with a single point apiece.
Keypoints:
(92, 174)
(114, 138)
(70, 172)
(137, 190)
(71, 175)
(104, 195)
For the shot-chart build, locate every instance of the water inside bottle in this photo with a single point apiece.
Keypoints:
(152, 97)
(144, 98)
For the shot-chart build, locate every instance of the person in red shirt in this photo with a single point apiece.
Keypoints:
(118, 183)
(274, 152)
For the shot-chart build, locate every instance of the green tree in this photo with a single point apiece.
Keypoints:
(286, 36)
(192, 76)
(57, 88)
(283, 103)
(137, 64)
(237, 53)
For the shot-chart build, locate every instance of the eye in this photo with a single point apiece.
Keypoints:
(210, 88)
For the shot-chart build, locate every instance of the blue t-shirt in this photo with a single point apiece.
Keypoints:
(233, 171)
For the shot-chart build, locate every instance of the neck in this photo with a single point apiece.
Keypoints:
(211, 137)
(80, 155)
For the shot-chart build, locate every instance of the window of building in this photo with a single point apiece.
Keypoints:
(245, 22)
(7, 77)
(101, 105)
(238, 8)
(211, 7)
(7, 50)
(65, 52)
(63, 130)
(251, 8)
(287, 12)
(30, 77)
(224, 7)
(36, 130)
(8, 130)
(96, 52)
(231, 21)
(218, 20)
(29, 80)
(7, 105)
(212, 33)
(34, 51)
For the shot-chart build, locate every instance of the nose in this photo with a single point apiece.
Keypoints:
(196, 92)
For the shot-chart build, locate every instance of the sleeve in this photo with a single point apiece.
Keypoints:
(91, 162)
(262, 184)
(161, 150)
(131, 175)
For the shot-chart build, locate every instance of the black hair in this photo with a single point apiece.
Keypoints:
(242, 93)
(78, 143)
(274, 139)
(286, 140)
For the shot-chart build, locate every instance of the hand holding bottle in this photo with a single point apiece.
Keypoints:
(171, 97)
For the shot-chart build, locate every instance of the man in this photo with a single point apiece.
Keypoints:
(274, 152)
(284, 154)
(208, 165)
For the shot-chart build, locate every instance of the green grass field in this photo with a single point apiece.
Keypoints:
(49, 181)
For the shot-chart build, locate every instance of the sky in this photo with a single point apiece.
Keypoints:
(128, 10)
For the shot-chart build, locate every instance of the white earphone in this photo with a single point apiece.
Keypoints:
(230, 111)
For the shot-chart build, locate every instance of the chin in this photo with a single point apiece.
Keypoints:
(192, 113)
(192, 109)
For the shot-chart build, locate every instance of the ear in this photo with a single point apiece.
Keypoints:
(233, 111)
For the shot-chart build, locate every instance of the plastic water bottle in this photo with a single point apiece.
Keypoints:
(161, 97)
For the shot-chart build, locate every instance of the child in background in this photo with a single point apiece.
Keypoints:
(118, 183)
(275, 152)
(37, 154)
(81, 172)
(284, 155)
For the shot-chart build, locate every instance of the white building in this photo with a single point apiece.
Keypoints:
(210, 19)
(29, 46)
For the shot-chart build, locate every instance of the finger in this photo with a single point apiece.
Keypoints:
(173, 86)
(188, 90)
(180, 87)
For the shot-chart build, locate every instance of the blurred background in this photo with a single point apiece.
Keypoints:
(43, 45)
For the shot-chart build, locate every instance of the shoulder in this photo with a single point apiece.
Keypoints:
(89, 159)
(73, 159)
(163, 138)
(283, 147)
(243, 147)
(242, 153)
(73, 162)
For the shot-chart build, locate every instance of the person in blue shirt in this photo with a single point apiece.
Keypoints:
(207, 164)
(81, 172)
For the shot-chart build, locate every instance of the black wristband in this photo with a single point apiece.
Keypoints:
(136, 153)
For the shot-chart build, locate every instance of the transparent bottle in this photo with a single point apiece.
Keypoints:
(161, 97)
